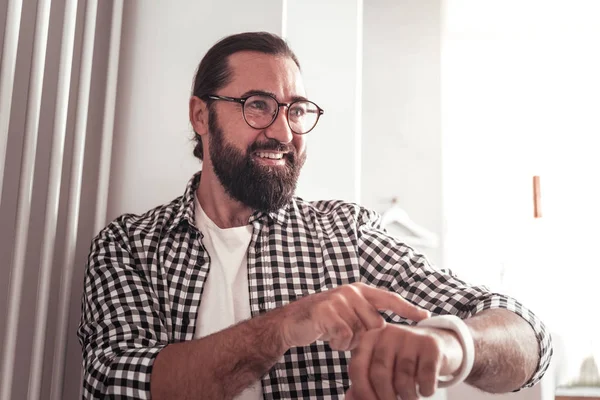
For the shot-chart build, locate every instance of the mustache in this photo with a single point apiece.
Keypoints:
(272, 145)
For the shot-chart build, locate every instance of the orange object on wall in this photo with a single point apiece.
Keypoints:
(537, 207)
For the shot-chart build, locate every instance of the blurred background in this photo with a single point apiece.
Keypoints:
(444, 109)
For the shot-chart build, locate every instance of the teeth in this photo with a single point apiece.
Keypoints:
(274, 156)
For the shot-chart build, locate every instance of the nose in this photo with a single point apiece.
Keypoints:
(280, 129)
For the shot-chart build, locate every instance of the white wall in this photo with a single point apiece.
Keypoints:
(401, 153)
(327, 38)
(521, 99)
(162, 45)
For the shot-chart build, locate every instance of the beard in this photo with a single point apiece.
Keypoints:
(260, 187)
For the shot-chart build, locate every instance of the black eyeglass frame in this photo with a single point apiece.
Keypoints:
(242, 101)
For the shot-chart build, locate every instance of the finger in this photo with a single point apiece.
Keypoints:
(335, 330)
(359, 367)
(381, 372)
(383, 299)
(404, 374)
(353, 320)
(428, 370)
(359, 330)
(368, 314)
(348, 395)
(341, 305)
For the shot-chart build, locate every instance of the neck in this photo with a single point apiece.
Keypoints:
(224, 211)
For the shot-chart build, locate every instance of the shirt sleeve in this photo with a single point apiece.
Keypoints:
(120, 331)
(387, 262)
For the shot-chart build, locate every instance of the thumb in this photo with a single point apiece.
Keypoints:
(348, 395)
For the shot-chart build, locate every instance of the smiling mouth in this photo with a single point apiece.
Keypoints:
(272, 158)
(270, 155)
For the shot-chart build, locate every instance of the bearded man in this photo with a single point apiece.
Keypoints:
(239, 289)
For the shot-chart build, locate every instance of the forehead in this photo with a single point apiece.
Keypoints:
(270, 73)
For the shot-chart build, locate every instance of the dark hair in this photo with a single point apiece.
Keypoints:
(213, 72)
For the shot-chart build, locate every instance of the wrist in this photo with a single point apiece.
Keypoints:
(463, 333)
(452, 351)
(276, 322)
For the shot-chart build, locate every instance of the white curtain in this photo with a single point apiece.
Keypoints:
(58, 80)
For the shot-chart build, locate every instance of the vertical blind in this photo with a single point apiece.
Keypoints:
(58, 83)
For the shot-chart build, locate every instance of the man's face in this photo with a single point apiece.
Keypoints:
(259, 168)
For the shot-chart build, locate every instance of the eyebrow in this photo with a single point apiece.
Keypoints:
(254, 92)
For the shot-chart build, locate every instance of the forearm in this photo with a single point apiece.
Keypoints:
(221, 365)
(506, 351)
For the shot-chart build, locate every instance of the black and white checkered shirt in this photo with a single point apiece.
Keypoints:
(145, 274)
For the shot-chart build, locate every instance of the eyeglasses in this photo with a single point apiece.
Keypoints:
(261, 110)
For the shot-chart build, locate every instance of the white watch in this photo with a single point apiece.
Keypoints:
(455, 324)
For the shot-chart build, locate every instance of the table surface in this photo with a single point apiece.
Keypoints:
(577, 398)
(583, 393)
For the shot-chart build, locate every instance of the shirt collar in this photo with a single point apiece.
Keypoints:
(184, 208)
(280, 216)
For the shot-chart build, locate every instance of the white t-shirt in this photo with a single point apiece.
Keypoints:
(225, 298)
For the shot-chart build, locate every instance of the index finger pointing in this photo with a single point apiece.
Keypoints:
(384, 300)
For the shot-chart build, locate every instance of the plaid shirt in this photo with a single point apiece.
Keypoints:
(145, 274)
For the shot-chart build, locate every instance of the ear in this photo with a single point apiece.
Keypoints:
(199, 115)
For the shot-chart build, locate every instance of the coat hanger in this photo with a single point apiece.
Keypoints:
(418, 235)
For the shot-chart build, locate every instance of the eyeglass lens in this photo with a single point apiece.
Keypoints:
(260, 112)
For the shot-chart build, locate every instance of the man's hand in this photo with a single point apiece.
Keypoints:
(340, 316)
(394, 360)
